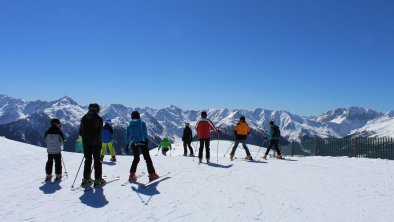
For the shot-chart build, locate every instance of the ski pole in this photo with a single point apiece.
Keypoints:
(229, 148)
(78, 171)
(158, 151)
(258, 151)
(65, 169)
(217, 150)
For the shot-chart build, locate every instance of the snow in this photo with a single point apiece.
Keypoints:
(305, 189)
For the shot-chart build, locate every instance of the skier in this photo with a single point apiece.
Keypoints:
(203, 127)
(187, 139)
(54, 138)
(273, 136)
(91, 131)
(241, 132)
(137, 138)
(108, 131)
(165, 145)
(78, 145)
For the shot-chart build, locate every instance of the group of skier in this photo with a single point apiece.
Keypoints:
(94, 139)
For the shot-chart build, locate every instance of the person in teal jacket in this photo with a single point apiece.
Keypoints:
(273, 136)
(165, 145)
(79, 145)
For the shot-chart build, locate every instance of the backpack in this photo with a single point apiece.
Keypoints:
(276, 132)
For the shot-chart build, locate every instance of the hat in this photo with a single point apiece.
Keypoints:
(55, 122)
(94, 107)
(242, 118)
(204, 114)
(135, 115)
(271, 122)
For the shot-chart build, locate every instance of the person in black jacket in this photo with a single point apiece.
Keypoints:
(91, 131)
(187, 139)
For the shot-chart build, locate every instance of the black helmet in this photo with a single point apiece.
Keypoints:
(135, 115)
(55, 122)
(271, 122)
(204, 114)
(94, 107)
(242, 118)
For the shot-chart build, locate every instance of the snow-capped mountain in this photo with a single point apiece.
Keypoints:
(27, 121)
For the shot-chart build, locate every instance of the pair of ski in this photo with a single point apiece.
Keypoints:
(89, 187)
(145, 185)
(54, 180)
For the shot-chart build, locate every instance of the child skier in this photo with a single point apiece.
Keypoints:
(203, 128)
(54, 138)
(165, 145)
(79, 145)
(137, 138)
(241, 131)
(108, 131)
(187, 139)
(273, 135)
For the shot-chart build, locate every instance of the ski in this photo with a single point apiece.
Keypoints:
(103, 184)
(129, 182)
(85, 186)
(165, 176)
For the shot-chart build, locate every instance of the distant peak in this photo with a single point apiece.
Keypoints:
(67, 99)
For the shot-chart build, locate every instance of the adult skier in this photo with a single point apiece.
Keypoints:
(91, 131)
(108, 132)
(187, 139)
(273, 136)
(165, 146)
(203, 128)
(137, 138)
(241, 132)
(54, 138)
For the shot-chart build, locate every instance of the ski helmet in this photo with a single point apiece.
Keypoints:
(271, 123)
(135, 115)
(94, 107)
(242, 118)
(204, 114)
(55, 122)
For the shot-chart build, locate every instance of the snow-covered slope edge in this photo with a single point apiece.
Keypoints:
(307, 189)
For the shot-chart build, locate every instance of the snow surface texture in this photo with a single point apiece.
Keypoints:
(297, 189)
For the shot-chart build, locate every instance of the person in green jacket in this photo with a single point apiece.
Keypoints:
(165, 145)
(79, 145)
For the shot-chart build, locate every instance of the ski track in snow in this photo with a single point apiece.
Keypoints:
(308, 189)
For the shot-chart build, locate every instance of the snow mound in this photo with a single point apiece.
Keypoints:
(299, 189)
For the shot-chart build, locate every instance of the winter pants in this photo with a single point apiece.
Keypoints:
(110, 146)
(274, 143)
(89, 151)
(58, 164)
(137, 150)
(243, 142)
(200, 151)
(164, 151)
(187, 144)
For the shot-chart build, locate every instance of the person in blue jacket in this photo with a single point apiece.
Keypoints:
(137, 138)
(108, 131)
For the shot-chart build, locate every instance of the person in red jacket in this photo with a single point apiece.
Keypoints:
(203, 128)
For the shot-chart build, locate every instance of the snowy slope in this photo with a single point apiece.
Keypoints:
(306, 189)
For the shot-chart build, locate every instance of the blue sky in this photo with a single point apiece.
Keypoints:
(306, 57)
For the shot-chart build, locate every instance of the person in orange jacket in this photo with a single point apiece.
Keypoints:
(241, 132)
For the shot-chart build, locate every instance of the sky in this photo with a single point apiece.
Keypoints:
(305, 56)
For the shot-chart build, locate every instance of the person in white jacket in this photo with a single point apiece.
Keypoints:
(54, 138)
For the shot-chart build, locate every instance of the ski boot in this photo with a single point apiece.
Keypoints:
(208, 161)
(153, 176)
(199, 160)
(58, 177)
(192, 155)
(279, 157)
(48, 177)
(101, 158)
(86, 182)
(113, 159)
(99, 181)
(248, 157)
(132, 177)
(265, 157)
(185, 154)
(231, 157)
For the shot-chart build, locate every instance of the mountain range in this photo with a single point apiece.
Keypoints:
(27, 121)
